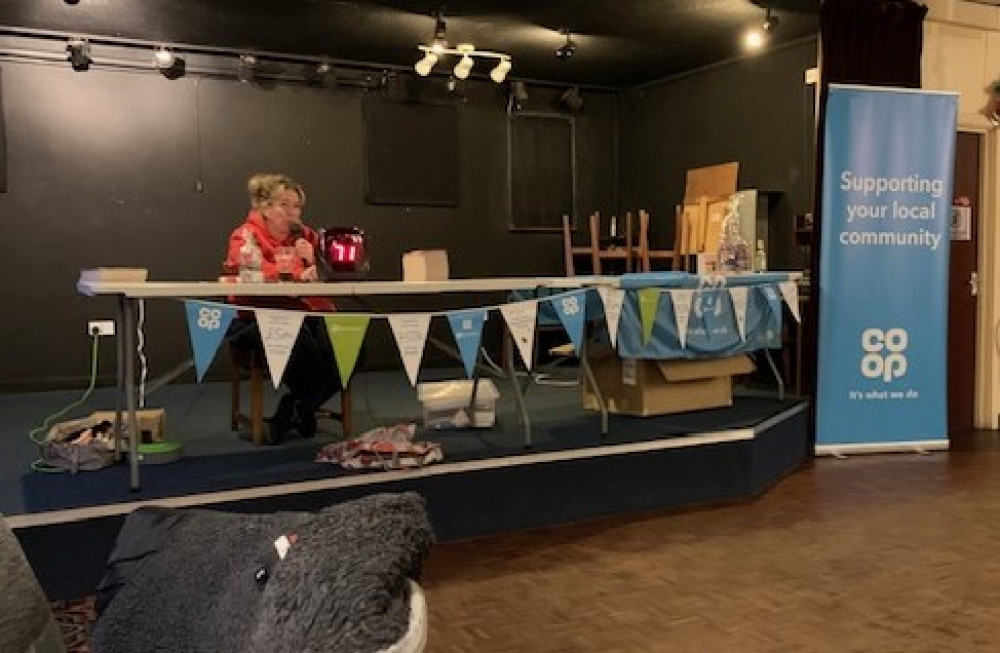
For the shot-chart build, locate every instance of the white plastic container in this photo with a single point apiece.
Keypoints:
(446, 404)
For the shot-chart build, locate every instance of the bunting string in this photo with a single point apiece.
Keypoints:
(208, 322)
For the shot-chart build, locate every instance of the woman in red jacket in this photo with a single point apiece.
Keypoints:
(312, 378)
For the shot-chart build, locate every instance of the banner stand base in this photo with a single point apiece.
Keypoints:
(914, 446)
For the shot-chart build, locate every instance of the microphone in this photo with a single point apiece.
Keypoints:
(295, 230)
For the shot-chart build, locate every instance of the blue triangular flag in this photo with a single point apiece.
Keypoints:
(467, 326)
(207, 325)
(773, 297)
(572, 311)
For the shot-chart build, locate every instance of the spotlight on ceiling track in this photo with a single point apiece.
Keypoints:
(571, 99)
(163, 58)
(771, 22)
(518, 95)
(567, 49)
(464, 65)
(320, 73)
(246, 69)
(756, 37)
(424, 66)
(79, 54)
(499, 73)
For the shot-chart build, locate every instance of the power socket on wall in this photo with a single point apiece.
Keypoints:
(101, 328)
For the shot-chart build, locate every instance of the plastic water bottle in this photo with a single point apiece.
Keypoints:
(760, 257)
(251, 260)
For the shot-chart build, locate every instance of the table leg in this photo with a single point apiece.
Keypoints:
(509, 346)
(777, 374)
(592, 380)
(120, 400)
(128, 324)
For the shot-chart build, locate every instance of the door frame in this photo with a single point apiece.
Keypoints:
(987, 401)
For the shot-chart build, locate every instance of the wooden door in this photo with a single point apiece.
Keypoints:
(962, 296)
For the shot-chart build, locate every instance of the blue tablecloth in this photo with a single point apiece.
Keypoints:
(712, 330)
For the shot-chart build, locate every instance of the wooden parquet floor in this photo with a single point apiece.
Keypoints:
(879, 553)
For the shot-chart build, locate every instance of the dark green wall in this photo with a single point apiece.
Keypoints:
(127, 168)
(756, 111)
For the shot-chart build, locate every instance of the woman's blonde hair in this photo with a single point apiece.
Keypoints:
(265, 187)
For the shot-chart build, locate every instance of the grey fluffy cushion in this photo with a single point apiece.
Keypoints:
(200, 580)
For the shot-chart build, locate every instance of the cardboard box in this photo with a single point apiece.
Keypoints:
(446, 404)
(425, 265)
(660, 387)
(710, 181)
(152, 422)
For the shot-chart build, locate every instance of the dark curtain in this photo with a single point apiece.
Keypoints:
(874, 42)
(870, 42)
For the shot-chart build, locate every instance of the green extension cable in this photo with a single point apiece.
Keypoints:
(37, 434)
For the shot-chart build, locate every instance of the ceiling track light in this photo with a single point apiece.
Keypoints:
(246, 68)
(163, 58)
(79, 53)
(571, 99)
(567, 49)
(770, 22)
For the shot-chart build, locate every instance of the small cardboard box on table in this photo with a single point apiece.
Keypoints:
(425, 265)
(643, 387)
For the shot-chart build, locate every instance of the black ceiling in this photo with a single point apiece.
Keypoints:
(620, 43)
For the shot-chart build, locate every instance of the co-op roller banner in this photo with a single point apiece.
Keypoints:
(883, 311)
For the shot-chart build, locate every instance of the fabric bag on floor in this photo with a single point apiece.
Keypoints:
(385, 447)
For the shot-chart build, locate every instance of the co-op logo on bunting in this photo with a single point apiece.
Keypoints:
(209, 319)
(884, 353)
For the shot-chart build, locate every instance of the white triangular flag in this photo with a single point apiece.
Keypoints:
(682, 299)
(739, 296)
(521, 318)
(790, 291)
(278, 331)
(410, 331)
(612, 298)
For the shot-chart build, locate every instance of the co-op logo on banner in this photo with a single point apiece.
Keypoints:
(885, 353)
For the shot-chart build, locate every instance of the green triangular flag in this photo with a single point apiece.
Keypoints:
(347, 334)
(649, 304)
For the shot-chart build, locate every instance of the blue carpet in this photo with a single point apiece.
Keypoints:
(217, 459)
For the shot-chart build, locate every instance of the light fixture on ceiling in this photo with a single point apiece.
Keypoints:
(755, 37)
(246, 68)
(571, 99)
(466, 52)
(499, 73)
(771, 22)
(320, 73)
(170, 65)
(464, 65)
(79, 53)
(163, 58)
(567, 49)
(518, 95)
